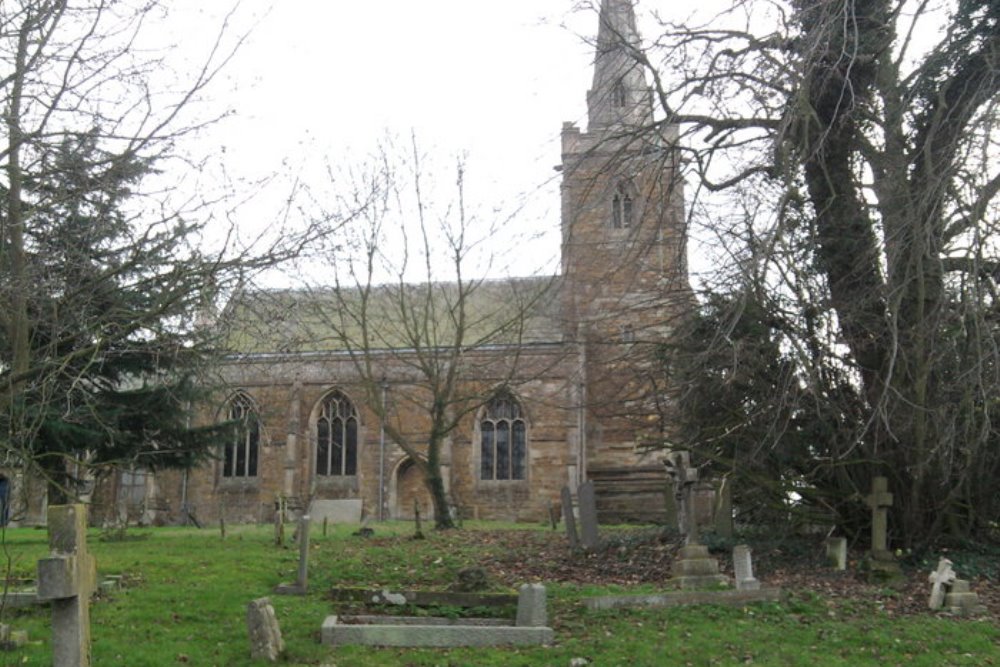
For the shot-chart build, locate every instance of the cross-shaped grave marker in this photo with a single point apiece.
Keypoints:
(67, 578)
(684, 477)
(941, 577)
(880, 500)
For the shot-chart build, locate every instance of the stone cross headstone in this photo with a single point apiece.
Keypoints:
(588, 516)
(67, 578)
(836, 552)
(880, 500)
(265, 635)
(568, 518)
(939, 578)
(685, 478)
(743, 569)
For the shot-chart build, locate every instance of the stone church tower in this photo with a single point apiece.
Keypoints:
(623, 262)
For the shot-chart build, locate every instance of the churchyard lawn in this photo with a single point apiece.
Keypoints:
(185, 594)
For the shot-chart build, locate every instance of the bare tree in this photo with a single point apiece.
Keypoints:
(409, 303)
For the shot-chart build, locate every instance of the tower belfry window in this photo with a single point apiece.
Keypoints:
(619, 94)
(622, 207)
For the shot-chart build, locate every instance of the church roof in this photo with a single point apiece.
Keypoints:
(399, 316)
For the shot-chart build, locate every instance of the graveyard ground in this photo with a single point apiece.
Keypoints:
(186, 590)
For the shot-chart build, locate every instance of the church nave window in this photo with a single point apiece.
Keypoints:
(337, 437)
(241, 453)
(503, 440)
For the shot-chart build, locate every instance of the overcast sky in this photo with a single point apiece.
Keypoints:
(324, 80)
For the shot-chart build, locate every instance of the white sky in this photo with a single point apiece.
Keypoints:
(323, 80)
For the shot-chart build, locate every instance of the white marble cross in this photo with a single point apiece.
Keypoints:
(940, 577)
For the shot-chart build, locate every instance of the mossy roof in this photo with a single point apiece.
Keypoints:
(398, 316)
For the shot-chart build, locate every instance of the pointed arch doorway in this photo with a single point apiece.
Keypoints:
(408, 487)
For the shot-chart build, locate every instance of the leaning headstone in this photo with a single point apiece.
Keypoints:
(67, 578)
(836, 552)
(568, 518)
(588, 516)
(961, 601)
(939, 578)
(265, 635)
(531, 610)
(743, 569)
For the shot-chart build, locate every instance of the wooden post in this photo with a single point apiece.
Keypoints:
(67, 578)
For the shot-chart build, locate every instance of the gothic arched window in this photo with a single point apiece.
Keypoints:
(337, 437)
(622, 207)
(619, 94)
(241, 453)
(503, 440)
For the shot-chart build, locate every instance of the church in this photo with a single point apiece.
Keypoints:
(576, 395)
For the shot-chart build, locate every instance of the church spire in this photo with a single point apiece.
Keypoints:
(619, 95)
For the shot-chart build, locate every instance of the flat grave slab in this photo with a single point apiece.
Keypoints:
(388, 631)
(529, 629)
(681, 598)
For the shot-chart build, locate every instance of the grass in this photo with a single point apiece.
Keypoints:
(188, 589)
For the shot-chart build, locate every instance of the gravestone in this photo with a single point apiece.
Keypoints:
(10, 639)
(882, 567)
(880, 500)
(279, 525)
(743, 569)
(67, 578)
(531, 608)
(343, 510)
(940, 578)
(265, 635)
(568, 518)
(836, 552)
(684, 478)
(961, 601)
(588, 517)
(301, 585)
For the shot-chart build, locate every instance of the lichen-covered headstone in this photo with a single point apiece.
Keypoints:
(568, 518)
(588, 516)
(743, 569)
(836, 552)
(531, 607)
(265, 635)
